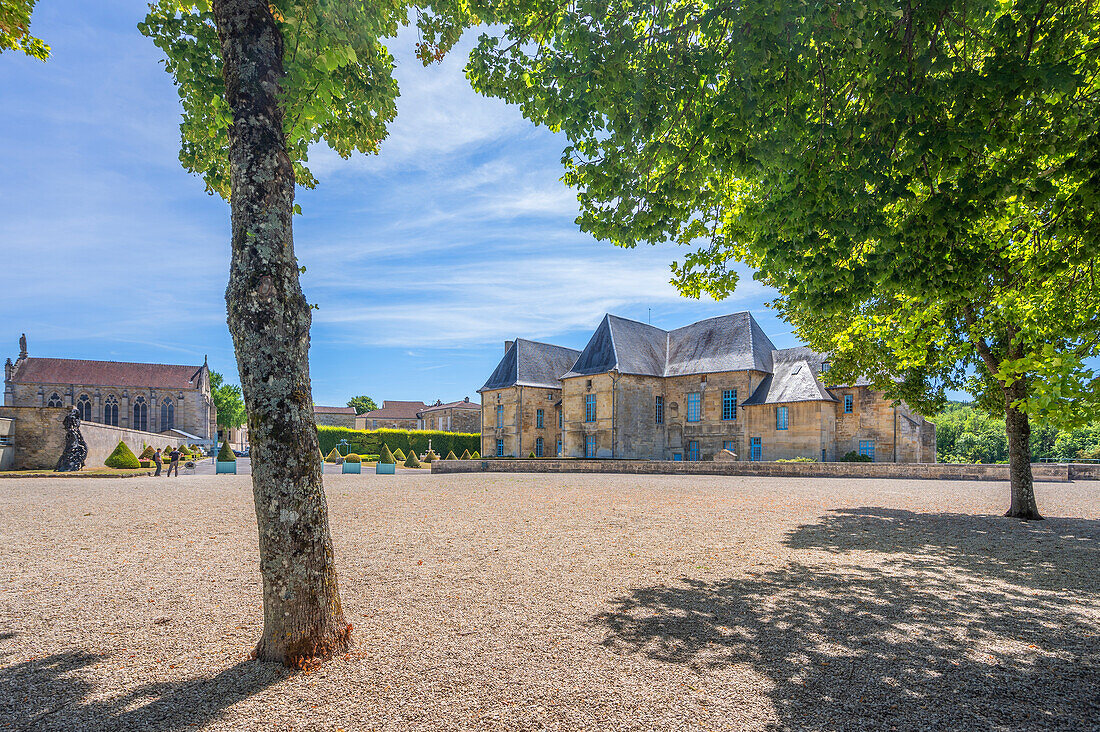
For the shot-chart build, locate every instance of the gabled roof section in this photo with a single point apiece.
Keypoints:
(530, 363)
(392, 409)
(320, 409)
(733, 342)
(465, 404)
(794, 378)
(35, 370)
(624, 345)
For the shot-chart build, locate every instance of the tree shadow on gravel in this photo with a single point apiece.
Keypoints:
(50, 693)
(934, 622)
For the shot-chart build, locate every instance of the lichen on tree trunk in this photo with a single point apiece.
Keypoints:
(269, 320)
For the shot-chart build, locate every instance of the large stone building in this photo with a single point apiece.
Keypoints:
(148, 397)
(463, 416)
(392, 415)
(334, 416)
(637, 391)
(521, 401)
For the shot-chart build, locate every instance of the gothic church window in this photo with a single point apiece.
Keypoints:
(84, 408)
(110, 411)
(167, 415)
(54, 401)
(141, 415)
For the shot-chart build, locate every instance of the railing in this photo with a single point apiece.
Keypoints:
(1088, 461)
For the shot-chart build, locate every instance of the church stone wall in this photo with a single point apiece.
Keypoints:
(39, 437)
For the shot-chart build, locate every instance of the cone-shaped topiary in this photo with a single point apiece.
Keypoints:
(332, 456)
(430, 456)
(147, 453)
(351, 457)
(122, 457)
(411, 461)
(386, 457)
(225, 455)
(476, 455)
(465, 455)
(451, 456)
(399, 455)
(532, 454)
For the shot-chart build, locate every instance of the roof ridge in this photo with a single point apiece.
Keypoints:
(121, 363)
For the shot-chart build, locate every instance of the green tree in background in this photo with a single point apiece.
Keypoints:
(918, 181)
(228, 402)
(362, 404)
(15, 24)
(259, 82)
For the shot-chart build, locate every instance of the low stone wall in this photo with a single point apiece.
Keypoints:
(39, 437)
(1045, 472)
(1084, 471)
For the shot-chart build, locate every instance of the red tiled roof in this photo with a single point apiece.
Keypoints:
(318, 409)
(35, 370)
(453, 405)
(396, 410)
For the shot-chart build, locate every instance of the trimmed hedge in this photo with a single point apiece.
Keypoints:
(451, 456)
(411, 461)
(147, 453)
(332, 456)
(351, 457)
(476, 455)
(465, 455)
(122, 457)
(225, 455)
(399, 455)
(386, 458)
(369, 442)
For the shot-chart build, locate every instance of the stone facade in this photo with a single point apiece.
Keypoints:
(147, 397)
(464, 416)
(334, 416)
(637, 392)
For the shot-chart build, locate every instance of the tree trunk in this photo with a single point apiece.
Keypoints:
(1019, 457)
(269, 319)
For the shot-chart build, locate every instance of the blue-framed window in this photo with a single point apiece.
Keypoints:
(538, 445)
(729, 404)
(589, 407)
(693, 450)
(500, 415)
(781, 418)
(728, 445)
(500, 448)
(539, 419)
(848, 403)
(590, 446)
(867, 448)
(558, 453)
(756, 449)
(693, 407)
(659, 409)
(561, 419)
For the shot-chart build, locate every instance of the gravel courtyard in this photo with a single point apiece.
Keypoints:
(562, 602)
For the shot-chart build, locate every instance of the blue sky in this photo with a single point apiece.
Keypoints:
(423, 259)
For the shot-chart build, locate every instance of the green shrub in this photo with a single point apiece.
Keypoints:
(797, 460)
(398, 455)
(122, 457)
(855, 457)
(465, 455)
(369, 442)
(147, 454)
(225, 455)
(451, 456)
(370, 458)
(333, 456)
(386, 457)
(532, 454)
(351, 457)
(430, 456)
(411, 461)
(144, 463)
(476, 455)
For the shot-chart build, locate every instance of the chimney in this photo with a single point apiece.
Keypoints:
(507, 345)
(467, 400)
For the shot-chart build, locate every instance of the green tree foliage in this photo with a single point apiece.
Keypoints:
(411, 461)
(362, 404)
(15, 24)
(917, 180)
(966, 434)
(369, 442)
(122, 457)
(225, 454)
(228, 402)
(386, 456)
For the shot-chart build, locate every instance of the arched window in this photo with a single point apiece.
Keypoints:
(54, 401)
(110, 411)
(141, 415)
(167, 415)
(84, 407)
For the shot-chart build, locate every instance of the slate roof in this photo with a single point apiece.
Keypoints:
(318, 409)
(36, 370)
(464, 404)
(726, 343)
(794, 378)
(395, 410)
(530, 363)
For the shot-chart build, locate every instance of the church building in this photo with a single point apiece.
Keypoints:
(164, 398)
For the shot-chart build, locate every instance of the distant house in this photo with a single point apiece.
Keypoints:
(463, 416)
(394, 415)
(334, 416)
(637, 391)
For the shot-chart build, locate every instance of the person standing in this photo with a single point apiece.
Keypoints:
(174, 456)
(157, 462)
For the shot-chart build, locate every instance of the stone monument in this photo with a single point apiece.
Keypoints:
(76, 450)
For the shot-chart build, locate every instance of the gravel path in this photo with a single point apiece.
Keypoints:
(564, 602)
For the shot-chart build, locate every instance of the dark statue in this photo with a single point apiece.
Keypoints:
(76, 450)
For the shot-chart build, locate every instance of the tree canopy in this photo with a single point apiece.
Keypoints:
(918, 181)
(228, 401)
(362, 404)
(15, 25)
